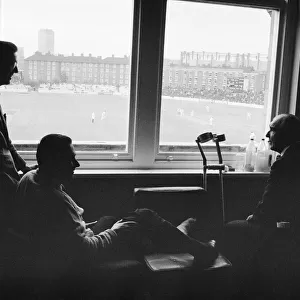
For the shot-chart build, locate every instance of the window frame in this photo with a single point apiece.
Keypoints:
(145, 91)
(277, 106)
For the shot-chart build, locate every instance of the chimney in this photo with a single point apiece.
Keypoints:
(72, 54)
(90, 55)
(81, 54)
(113, 56)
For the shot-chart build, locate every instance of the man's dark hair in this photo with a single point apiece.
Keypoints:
(52, 146)
(6, 48)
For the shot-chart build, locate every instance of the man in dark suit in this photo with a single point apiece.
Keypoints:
(10, 161)
(243, 239)
(281, 198)
(8, 66)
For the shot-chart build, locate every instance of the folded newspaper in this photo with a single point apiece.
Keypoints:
(165, 262)
(168, 262)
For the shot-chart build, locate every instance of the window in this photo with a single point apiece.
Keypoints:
(229, 109)
(87, 136)
(136, 133)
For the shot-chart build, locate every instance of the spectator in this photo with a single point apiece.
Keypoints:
(53, 223)
(280, 201)
(12, 162)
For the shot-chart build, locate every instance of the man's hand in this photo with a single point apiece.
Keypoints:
(121, 225)
(29, 168)
(251, 218)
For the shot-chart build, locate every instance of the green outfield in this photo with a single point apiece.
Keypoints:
(104, 118)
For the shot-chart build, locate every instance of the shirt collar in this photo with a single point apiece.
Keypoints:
(284, 150)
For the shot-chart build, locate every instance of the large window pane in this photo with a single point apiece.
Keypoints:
(216, 74)
(74, 70)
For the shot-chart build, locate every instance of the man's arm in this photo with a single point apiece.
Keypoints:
(268, 207)
(19, 162)
(105, 239)
(82, 242)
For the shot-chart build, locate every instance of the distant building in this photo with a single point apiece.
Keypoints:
(256, 61)
(81, 69)
(46, 41)
(207, 78)
(204, 78)
(20, 58)
(216, 71)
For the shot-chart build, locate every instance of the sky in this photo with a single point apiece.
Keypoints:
(104, 27)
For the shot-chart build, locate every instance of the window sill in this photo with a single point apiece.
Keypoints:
(160, 172)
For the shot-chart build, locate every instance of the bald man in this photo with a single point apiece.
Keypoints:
(281, 197)
(280, 203)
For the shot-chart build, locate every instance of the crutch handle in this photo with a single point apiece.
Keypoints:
(217, 167)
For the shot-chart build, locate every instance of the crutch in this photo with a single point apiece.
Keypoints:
(203, 138)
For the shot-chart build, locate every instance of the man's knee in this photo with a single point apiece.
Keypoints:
(148, 216)
(104, 223)
(145, 212)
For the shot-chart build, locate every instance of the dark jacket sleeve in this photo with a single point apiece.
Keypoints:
(8, 186)
(281, 195)
(18, 160)
(268, 208)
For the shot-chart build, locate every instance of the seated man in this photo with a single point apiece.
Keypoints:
(280, 200)
(53, 223)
